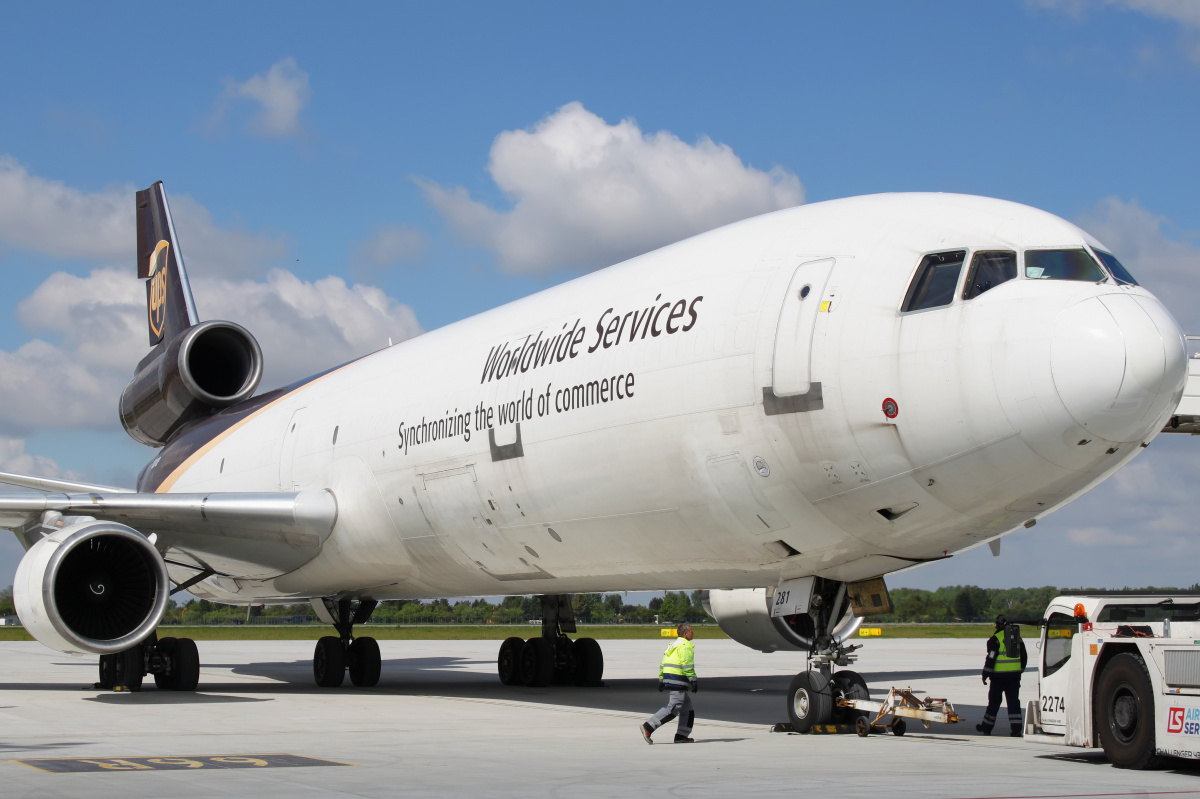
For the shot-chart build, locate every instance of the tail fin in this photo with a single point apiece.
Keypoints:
(170, 308)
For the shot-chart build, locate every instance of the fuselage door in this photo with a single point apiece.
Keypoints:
(290, 435)
(791, 364)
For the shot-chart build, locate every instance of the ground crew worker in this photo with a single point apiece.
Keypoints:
(676, 674)
(1004, 670)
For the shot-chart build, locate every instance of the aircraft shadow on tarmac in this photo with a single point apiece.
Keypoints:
(748, 699)
(742, 699)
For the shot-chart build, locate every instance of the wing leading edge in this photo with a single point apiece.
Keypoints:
(249, 534)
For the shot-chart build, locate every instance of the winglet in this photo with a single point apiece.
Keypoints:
(170, 308)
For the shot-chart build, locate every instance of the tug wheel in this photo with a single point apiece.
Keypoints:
(1124, 713)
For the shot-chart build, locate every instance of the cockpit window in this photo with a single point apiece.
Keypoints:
(988, 270)
(935, 281)
(1062, 265)
(1118, 270)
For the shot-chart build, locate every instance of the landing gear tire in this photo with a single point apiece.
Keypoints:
(1124, 713)
(166, 647)
(364, 662)
(185, 669)
(508, 662)
(589, 662)
(537, 662)
(810, 701)
(329, 662)
(848, 685)
(130, 668)
(108, 672)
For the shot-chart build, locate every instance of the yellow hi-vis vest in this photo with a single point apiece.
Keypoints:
(678, 664)
(1003, 662)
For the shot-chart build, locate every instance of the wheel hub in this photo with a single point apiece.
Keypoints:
(801, 702)
(1124, 715)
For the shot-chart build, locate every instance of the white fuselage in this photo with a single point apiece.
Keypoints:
(675, 472)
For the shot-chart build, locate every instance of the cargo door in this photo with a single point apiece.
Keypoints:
(791, 363)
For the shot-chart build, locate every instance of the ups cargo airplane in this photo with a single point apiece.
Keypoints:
(782, 410)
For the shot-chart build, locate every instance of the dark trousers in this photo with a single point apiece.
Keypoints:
(1007, 687)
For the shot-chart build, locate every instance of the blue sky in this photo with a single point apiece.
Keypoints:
(342, 174)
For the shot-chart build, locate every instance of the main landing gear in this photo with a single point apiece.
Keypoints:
(552, 657)
(174, 662)
(336, 655)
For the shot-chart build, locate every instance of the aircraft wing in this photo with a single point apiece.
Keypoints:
(51, 484)
(247, 534)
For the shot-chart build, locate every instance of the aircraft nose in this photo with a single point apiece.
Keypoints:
(1118, 362)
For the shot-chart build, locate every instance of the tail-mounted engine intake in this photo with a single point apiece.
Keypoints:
(745, 616)
(94, 586)
(209, 366)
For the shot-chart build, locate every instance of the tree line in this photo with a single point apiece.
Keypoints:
(954, 603)
(970, 603)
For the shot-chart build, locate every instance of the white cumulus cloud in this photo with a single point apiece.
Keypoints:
(1099, 537)
(389, 245)
(92, 333)
(585, 193)
(46, 216)
(1185, 12)
(15, 460)
(278, 95)
(304, 327)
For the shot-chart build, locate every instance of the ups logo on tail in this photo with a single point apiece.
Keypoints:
(156, 302)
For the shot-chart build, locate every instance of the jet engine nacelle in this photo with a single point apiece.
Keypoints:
(94, 586)
(745, 616)
(209, 366)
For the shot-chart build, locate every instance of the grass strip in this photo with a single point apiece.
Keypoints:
(489, 632)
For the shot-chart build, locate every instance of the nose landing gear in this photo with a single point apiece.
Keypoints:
(552, 657)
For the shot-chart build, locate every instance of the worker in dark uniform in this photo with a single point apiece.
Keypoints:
(677, 674)
(1003, 665)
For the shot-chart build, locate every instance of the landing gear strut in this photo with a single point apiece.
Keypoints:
(552, 657)
(174, 662)
(813, 694)
(336, 655)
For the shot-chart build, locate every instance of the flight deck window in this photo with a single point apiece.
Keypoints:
(1118, 270)
(988, 270)
(1062, 265)
(935, 281)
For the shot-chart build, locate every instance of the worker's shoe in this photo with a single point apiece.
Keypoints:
(646, 731)
(983, 729)
(683, 739)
